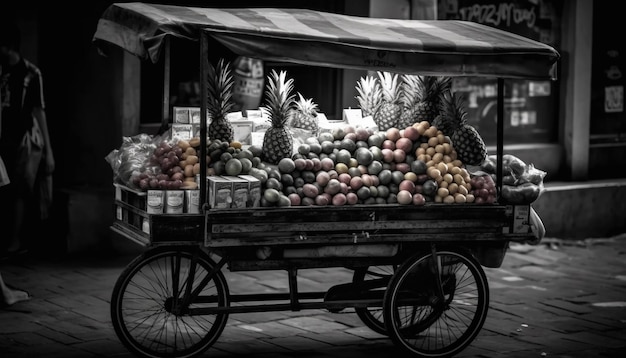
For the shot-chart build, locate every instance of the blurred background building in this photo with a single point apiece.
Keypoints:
(573, 128)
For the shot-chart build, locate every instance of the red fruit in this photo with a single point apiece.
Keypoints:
(407, 185)
(405, 144)
(418, 199)
(352, 198)
(411, 133)
(339, 199)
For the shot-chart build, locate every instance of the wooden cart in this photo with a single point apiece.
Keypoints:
(418, 270)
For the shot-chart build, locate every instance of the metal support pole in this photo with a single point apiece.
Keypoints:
(204, 48)
(165, 112)
(500, 135)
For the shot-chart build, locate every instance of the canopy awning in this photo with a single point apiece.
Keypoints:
(434, 47)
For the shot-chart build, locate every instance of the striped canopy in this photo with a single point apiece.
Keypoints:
(434, 47)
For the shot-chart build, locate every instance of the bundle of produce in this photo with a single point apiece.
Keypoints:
(521, 183)
(131, 159)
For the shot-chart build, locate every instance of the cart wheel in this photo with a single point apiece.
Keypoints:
(421, 321)
(372, 316)
(144, 297)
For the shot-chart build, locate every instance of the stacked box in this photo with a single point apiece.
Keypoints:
(240, 191)
(219, 191)
(254, 191)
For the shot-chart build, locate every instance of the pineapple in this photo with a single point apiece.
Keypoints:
(305, 116)
(411, 94)
(220, 102)
(389, 111)
(431, 90)
(278, 141)
(369, 95)
(466, 140)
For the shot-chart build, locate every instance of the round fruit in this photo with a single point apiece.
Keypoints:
(343, 156)
(405, 144)
(310, 190)
(348, 144)
(356, 183)
(374, 168)
(300, 163)
(411, 133)
(304, 149)
(284, 201)
(375, 140)
(322, 178)
(286, 165)
(246, 165)
(393, 134)
(325, 137)
(418, 199)
(407, 185)
(333, 187)
(339, 199)
(418, 167)
(327, 164)
(364, 156)
(352, 198)
(404, 197)
(363, 192)
(273, 183)
(384, 176)
(362, 134)
(315, 148)
(322, 200)
(295, 199)
(271, 195)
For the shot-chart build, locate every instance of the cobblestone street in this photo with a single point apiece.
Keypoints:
(558, 299)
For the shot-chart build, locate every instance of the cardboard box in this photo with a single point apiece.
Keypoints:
(239, 191)
(219, 192)
(254, 190)
(174, 201)
(192, 201)
(155, 202)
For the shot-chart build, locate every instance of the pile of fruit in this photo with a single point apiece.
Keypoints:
(418, 153)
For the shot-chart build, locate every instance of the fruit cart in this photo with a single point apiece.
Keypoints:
(418, 269)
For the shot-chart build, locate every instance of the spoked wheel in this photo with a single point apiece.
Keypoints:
(430, 316)
(372, 316)
(146, 304)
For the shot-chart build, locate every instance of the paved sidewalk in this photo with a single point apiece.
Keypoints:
(558, 299)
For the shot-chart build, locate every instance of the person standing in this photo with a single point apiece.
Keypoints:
(24, 141)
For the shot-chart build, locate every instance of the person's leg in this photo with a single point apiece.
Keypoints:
(11, 295)
(15, 234)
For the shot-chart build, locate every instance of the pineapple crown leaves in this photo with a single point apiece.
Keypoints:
(280, 98)
(432, 86)
(411, 90)
(368, 89)
(220, 89)
(390, 88)
(306, 105)
(452, 107)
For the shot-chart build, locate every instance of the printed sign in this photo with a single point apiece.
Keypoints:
(614, 99)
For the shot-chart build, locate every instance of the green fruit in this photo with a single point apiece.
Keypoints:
(286, 165)
(273, 183)
(233, 167)
(284, 201)
(271, 195)
(364, 156)
(246, 165)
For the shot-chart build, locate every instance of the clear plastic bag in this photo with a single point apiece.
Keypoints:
(131, 159)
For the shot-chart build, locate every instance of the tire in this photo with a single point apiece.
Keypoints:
(372, 316)
(142, 298)
(422, 324)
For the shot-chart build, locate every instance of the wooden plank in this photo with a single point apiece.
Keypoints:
(359, 226)
(347, 239)
(178, 227)
(130, 232)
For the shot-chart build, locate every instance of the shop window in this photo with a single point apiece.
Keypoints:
(530, 107)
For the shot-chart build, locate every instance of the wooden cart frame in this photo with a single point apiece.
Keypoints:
(413, 265)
